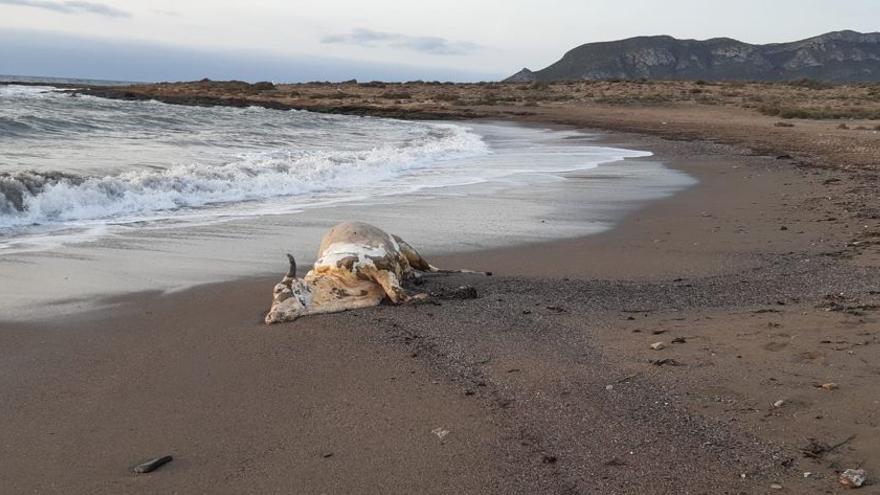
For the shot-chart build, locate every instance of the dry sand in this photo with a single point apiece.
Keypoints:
(764, 275)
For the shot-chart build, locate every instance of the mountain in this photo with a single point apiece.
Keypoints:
(840, 56)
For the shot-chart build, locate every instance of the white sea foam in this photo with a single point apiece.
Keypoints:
(27, 91)
(252, 176)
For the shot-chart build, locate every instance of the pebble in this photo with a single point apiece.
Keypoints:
(152, 464)
(775, 486)
(664, 362)
(657, 346)
(830, 386)
(779, 403)
(853, 478)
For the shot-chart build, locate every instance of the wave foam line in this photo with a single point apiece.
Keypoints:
(31, 198)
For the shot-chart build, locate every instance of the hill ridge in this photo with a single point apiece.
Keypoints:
(837, 56)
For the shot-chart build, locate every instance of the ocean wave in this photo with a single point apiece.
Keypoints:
(12, 90)
(40, 198)
(10, 128)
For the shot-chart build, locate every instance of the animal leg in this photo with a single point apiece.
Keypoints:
(416, 260)
(391, 285)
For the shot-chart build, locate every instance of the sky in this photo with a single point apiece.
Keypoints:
(295, 40)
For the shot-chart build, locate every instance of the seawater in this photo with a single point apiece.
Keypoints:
(73, 164)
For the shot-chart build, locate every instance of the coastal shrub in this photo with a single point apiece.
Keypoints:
(338, 95)
(768, 109)
(396, 95)
(774, 110)
(810, 84)
(446, 97)
(795, 113)
(843, 127)
(487, 100)
(550, 97)
(877, 127)
(264, 86)
(705, 99)
(783, 124)
(654, 99)
(373, 84)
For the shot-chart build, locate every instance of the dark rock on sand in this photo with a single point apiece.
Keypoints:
(152, 464)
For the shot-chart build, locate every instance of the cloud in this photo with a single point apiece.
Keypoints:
(70, 7)
(425, 44)
(43, 53)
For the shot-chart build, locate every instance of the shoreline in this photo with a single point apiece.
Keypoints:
(545, 383)
(525, 207)
(782, 119)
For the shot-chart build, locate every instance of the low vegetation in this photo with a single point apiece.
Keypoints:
(800, 99)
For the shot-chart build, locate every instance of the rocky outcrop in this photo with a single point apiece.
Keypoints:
(522, 76)
(838, 57)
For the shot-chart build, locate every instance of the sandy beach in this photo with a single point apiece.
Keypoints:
(760, 282)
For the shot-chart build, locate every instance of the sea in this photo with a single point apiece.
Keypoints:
(95, 187)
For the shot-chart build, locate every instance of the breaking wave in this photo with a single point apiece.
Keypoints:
(39, 198)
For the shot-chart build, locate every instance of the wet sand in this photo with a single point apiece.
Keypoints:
(545, 383)
(175, 254)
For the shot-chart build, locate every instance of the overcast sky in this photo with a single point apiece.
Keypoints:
(464, 39)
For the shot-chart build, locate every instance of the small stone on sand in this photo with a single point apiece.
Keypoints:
(152, 464)
(658, 346)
